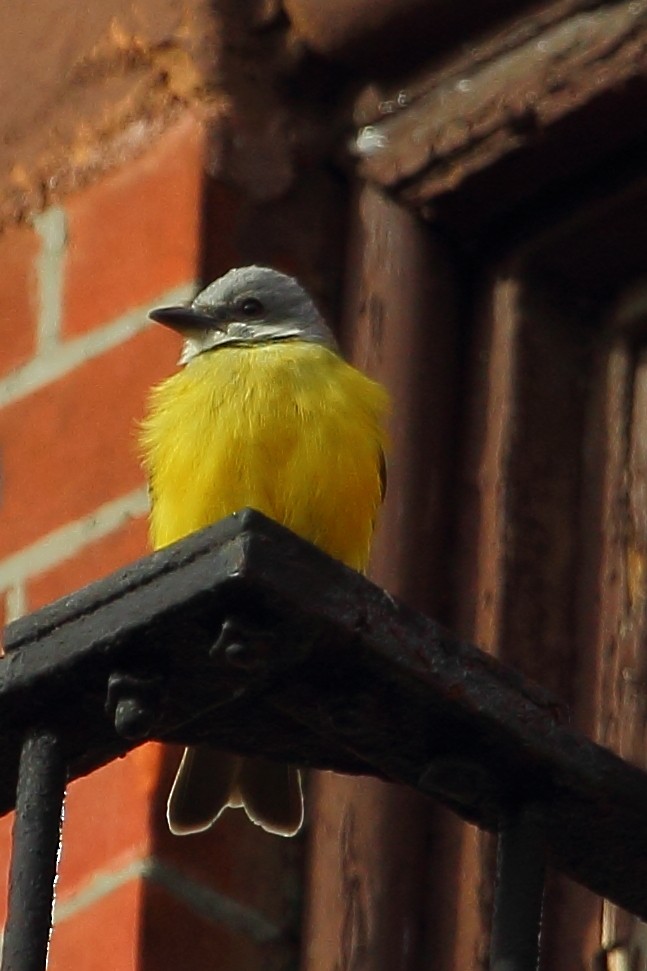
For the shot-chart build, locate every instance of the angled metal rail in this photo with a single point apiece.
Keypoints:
(252, 639)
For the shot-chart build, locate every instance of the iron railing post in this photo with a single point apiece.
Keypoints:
(519, 893)
(34, 854)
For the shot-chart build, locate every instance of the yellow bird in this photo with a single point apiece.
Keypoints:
(265, 413)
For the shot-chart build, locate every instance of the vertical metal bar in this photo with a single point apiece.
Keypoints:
(518, 896)
(34, 855)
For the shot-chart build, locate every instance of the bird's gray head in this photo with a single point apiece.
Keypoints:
(249, 305)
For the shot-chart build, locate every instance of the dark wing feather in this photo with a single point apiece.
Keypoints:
(383, 475)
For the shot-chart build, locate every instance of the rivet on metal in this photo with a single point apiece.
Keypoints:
(134, 702)
(240, 647)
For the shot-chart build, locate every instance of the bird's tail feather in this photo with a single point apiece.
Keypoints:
(208, 781)
(202, 788)
(271, 795)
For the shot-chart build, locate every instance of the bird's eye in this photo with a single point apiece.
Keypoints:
(251, 307)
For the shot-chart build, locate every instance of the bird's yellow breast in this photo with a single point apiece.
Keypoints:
(288, 428)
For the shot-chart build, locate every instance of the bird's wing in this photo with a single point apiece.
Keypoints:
(383, 475)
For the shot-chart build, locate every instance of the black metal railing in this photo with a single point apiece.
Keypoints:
(212, 625)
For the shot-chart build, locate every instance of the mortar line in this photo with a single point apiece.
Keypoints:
(200, 899)
(65, 357)
(209, 904)
(15, 602)
(67, 540)
(51, 226)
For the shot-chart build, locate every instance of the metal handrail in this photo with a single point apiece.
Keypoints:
(194, 644)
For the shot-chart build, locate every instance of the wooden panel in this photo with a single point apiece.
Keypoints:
(379, 853)
(472, 135)
(519, 550)
(617, 602)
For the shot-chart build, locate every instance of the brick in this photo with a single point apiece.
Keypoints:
(124, 545)
(103, 936)
(19, 247)
(71, 446)
(107, 822)
(107, 818)
(141, 926)
(136, 232)
(173, 937)
(235, 858)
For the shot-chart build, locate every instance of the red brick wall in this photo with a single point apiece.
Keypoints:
(77, 356)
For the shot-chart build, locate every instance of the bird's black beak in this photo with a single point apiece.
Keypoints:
(183, 319)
